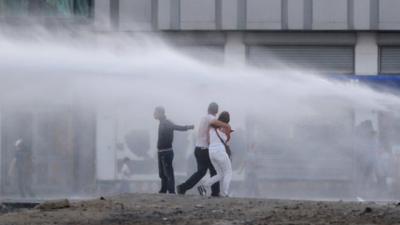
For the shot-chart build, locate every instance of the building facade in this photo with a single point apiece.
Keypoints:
(352, 37)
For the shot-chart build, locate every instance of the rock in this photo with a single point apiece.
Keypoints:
(2, 207)
(119, 205)
(53, 205)
(222, 222)
(102, 198)
(199, 206)
(367, 210)
(178, 210)
(218, 211)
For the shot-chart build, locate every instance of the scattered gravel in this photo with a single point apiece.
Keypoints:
(147, 209)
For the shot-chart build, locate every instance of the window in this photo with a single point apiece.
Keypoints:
(58, 8)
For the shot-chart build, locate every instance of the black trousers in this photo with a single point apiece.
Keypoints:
(166, 171)
(203, 164)
(24, 181)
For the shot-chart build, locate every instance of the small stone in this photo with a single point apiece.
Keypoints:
(178, 211)
(217, 211)
(53, 205)
(102, 198)
(367, 210)
(120, 205)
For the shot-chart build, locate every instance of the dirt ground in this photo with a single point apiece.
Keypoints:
(150, 209)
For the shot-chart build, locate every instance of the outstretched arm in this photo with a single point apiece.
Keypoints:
(182, 128)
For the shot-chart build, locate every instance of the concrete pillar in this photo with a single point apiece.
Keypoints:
(136, 15)
(105, 146)
(235, 49)
(1, 154)
(362, 14)
(366, 54)
(229, 14)
(102, 15)
(164, 14)
(296, 14)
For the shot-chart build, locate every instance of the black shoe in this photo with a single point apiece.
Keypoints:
(180, 190)
(202, 191)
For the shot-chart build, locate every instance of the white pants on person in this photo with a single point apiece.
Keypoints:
(222, 164)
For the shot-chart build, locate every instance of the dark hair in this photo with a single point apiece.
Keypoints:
(160, 109)
(213, 108)
(126, 159)
(224, 117)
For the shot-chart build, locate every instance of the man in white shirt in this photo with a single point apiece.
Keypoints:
(201, 152)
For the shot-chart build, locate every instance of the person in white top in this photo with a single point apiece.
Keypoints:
(219, 137)
(201, 151)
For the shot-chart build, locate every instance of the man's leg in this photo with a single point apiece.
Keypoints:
(29, 188)
(215, 189)
(169, 171)
(161, 174)
(21, 182)
(28, 182)
(196, 177)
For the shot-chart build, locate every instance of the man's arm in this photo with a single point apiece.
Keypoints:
(220, 124)
(181, 128)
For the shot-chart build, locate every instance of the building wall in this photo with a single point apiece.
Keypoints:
(250, 14)
(233, 25)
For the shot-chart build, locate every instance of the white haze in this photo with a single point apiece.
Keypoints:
(135, 73)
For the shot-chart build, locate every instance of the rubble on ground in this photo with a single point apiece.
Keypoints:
(148, 209)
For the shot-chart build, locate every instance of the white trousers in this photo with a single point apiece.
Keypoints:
(222, 164)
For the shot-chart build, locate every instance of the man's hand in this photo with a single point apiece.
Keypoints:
(228, 128)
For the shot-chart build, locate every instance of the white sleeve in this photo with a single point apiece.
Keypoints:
(210, 118)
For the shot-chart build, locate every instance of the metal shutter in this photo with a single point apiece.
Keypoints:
(325, 59)
(390, 60)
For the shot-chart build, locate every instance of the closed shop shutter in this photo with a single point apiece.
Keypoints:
(324, 59)
(390, 60)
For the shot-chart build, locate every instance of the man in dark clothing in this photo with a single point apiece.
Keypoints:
(23, 165)
(165, 152)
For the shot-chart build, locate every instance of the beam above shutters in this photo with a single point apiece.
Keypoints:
(324, 59)
(300, 38)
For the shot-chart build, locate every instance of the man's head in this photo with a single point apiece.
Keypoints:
(126, 160)
(19, 143)
(213, 108)
(159, 113)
